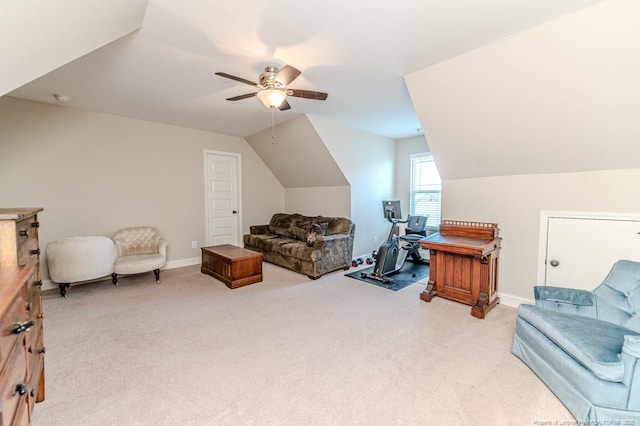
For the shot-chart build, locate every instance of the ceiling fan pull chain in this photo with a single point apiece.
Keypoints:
(273, 125)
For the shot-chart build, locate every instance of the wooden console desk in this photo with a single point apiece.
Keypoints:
(464, 264)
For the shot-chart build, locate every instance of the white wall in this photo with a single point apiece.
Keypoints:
(560, 97)
(95, 173)
(300, 160)
(506, 123)
(297, 157)
(404, 149)
(515, 203)
(40, 35)
(319, 201)
(367, 161)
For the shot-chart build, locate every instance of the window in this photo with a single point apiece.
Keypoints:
(425, 188)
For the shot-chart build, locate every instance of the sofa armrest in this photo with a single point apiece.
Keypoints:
(567, 300)
(162, 247)
(338, 247)
(327, 241)
(630, 356)
(259, 229)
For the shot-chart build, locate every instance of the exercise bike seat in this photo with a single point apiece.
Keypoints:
(411, 238)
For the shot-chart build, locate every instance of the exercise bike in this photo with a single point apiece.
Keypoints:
(393, 253)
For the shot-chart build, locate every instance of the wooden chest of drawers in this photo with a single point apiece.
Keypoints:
(21, 329)
(21, 346)
(19, 237)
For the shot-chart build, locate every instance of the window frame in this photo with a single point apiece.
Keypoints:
(432, 222)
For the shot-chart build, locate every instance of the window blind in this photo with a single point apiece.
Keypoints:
(425, 189)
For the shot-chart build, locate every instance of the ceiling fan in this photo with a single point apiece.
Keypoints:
(273, 90)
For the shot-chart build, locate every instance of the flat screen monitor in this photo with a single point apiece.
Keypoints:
(392, 208)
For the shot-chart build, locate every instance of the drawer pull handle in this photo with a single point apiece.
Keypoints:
(21, 388)
(36, 251)
(38, 283)
(32, 393)
(24, 233)
(35, 225)
(42, 350)
(21, 328)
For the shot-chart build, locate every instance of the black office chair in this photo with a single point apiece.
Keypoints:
(416, 225)
(416, 230)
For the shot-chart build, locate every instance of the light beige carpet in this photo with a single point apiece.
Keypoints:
(287, 351)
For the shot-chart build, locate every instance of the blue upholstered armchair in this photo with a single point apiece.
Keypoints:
(585, 346)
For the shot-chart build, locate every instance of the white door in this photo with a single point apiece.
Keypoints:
(581, 251)
(222, 195)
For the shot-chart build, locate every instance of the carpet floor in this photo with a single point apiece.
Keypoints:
(286, 351)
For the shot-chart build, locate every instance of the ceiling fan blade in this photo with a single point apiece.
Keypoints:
(287, 74)
(240, 97)
(307, 94)
(284, 106)
(240, 79)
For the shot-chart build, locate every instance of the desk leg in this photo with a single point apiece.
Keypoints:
(480, 309)
(429, 293)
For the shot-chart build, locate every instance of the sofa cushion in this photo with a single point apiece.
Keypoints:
(305, 225)
(289, 247)
(138, 262)
(258, 241)
(594, 343)
(297, 226)
(283, 224)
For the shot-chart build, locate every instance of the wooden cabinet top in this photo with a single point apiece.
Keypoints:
(472, 238)
(232, 252)
(457, 244)
(18, 214)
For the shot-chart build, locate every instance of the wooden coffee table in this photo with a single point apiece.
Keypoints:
(234, 266)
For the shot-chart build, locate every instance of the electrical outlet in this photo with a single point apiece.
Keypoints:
(194, 244)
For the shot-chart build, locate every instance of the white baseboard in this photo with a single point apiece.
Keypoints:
(183, 262)
(362, 256)
(49, 285)
(513, 301)
(505, 299)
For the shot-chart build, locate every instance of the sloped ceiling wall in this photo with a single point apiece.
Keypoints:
(39, 36)
(561, 97)
(298, 157)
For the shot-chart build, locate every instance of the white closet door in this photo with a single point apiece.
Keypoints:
(222, 195)
(581, 251)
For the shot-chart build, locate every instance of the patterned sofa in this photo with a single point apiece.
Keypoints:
(311, 245)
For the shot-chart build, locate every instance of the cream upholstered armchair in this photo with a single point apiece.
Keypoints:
(140, 249)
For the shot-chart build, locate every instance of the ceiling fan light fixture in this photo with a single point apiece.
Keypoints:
(271, 98)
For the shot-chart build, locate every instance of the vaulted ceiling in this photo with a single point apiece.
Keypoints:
(560, 97)
(357, 51)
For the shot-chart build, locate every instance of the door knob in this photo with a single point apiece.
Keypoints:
(554, 263)
(234, 212)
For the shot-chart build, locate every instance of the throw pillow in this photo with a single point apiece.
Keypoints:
(316, 230)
